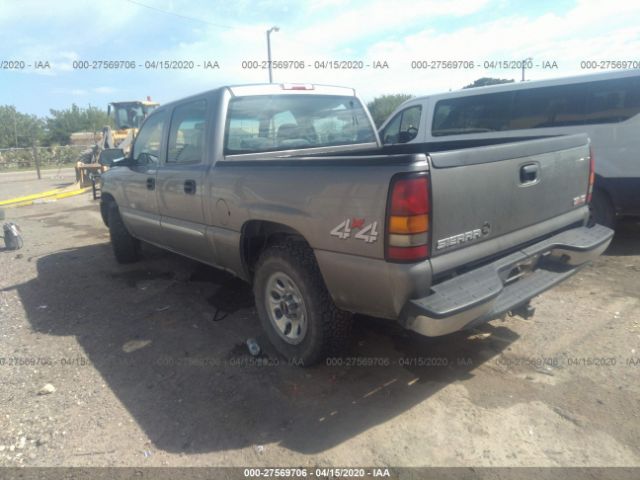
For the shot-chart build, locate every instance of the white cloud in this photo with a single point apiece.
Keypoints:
(586, 31)
(379, 18)
(84, 19)
(397, 32)
(42, 30)
(62, 61)
(83, 92)
(337, 37)
(105, 90)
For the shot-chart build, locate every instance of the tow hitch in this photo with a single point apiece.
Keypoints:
(525, 311)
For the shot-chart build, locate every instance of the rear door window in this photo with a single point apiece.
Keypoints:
(613, 101)
(556, 106)
(580, 103)
(473, 114)
(186, 136)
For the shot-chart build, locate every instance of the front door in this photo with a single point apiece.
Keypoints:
(180, 182)
(140, 208)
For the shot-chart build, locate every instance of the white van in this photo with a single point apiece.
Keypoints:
(606, 106)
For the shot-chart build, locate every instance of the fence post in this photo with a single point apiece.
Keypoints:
(36, 159)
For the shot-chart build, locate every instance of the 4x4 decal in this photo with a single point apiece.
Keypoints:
(368, 233)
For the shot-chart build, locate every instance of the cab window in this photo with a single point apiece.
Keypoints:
(146, 149)
(403, 127)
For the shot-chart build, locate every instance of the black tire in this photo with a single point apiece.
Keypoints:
(125, 247)
(602, 210)
(327, 328)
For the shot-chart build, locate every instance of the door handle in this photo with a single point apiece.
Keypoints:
(190, 187)
(151, 183)
(529, 173)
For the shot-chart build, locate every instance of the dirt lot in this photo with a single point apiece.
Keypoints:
(149, 368)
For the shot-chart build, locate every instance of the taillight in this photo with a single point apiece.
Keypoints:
(408, 218)
(592, 174)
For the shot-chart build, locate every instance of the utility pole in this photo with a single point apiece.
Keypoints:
(524, 62)
(36, 159)
(15, 126)
(272, 29)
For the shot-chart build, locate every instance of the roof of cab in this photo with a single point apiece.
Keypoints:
(289, 88)
(268, 89)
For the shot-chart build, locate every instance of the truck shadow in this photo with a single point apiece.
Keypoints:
(167, 336)
(626, 240)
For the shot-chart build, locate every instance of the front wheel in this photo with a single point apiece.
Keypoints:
(294, 306)
(126, 248)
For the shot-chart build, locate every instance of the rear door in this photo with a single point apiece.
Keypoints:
(180, 187)
(484, 193)
(140, 207)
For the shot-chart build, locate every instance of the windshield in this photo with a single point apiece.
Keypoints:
(130, 115)
(283, 122)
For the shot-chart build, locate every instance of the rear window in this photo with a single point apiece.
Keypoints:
(267, 123)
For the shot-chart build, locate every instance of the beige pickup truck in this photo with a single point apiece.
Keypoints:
(289, 188)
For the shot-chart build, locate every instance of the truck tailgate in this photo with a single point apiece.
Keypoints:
(484, 193)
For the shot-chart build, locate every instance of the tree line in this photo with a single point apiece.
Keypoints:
(19, 129)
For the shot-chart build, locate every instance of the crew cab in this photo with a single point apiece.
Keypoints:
(289, 188)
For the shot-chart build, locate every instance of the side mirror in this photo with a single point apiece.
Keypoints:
(110, 156)
(404, 137)
(146, 158)
(383, 140)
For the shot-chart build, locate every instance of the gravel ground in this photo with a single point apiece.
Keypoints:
(145, 365)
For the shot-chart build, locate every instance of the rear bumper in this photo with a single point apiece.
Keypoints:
(492, 290)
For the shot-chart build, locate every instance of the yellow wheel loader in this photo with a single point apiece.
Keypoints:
(127, 118)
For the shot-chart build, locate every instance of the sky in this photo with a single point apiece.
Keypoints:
(558, 35)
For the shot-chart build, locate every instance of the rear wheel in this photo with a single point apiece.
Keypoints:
(126, 248)
(602, 209)
(294, 306)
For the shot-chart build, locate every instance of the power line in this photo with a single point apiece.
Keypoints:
(186, 17)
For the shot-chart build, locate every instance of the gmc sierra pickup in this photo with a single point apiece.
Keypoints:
(288, 187)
